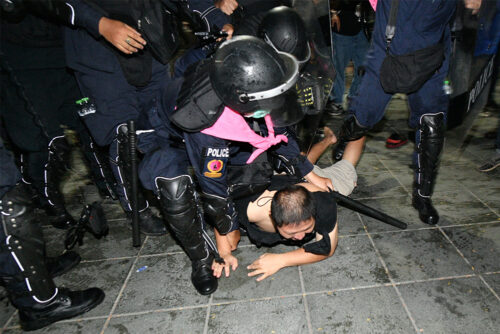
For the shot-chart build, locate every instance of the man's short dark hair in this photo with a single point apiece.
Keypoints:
(292, 205)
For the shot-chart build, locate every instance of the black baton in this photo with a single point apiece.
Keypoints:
(132, 140)
(366, 210)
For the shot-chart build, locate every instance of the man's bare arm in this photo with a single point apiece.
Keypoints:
(269, 263)
(225, 245)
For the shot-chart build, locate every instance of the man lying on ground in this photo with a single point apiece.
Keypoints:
(294, 214)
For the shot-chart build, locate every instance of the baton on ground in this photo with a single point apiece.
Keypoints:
(366, 210)
(132, 140)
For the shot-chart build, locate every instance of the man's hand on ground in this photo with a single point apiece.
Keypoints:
(266, 265)
(230, 262)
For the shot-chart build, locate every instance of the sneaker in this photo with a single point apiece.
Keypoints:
(491, 164)
(396, 140)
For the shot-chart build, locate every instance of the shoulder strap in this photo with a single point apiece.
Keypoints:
(390, 29)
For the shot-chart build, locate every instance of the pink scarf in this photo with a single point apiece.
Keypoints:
(232, 126)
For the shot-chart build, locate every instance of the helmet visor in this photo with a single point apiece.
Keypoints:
(281, 101)
(284, 109)
(291, 76)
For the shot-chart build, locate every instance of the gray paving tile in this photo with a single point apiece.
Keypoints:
(165, 283)
(353, 264)
(369, 164)
(458, 178)
(374, 310)
(486, 188)
(395, 161)
(452, 306)
(160, 245)
(106, 275)
(277, 316)
(382, 184)
(445, 181)
(460, 207)
(349, 222)
(422, 254)
(397, 207)
(480, 244)
(118, 243)
(453, 202)
(73, 327)
(239, 286)
(173, 322)
(494, 282)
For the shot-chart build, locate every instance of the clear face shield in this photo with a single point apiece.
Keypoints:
(281, 102)
(317, 74)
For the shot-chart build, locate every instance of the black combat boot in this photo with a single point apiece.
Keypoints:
(349, 131)
(180, 209)
(431, 134)
(149, 223)
(66, 304)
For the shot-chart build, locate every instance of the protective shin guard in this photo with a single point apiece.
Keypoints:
(25, 245)
(57, 165)
(180, 209)
(101, 170)
(30, 286)
(349, 131)
(219, 212)
(431, 131)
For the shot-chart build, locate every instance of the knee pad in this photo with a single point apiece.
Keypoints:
(177, 197)
(219, 212)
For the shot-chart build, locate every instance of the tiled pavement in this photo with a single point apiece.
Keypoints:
(441, 279)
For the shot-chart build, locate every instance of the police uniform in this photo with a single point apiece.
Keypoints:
(419, 24)
(209, 98)
(120, 88)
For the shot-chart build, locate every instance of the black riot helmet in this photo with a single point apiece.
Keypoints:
(284, 30)
(250, 77)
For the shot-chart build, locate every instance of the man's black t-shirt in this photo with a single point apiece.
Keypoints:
(325, 221)
(350, 21)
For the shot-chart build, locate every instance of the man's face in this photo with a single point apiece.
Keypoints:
(297, 231)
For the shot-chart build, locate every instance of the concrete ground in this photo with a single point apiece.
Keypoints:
(425, 279)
